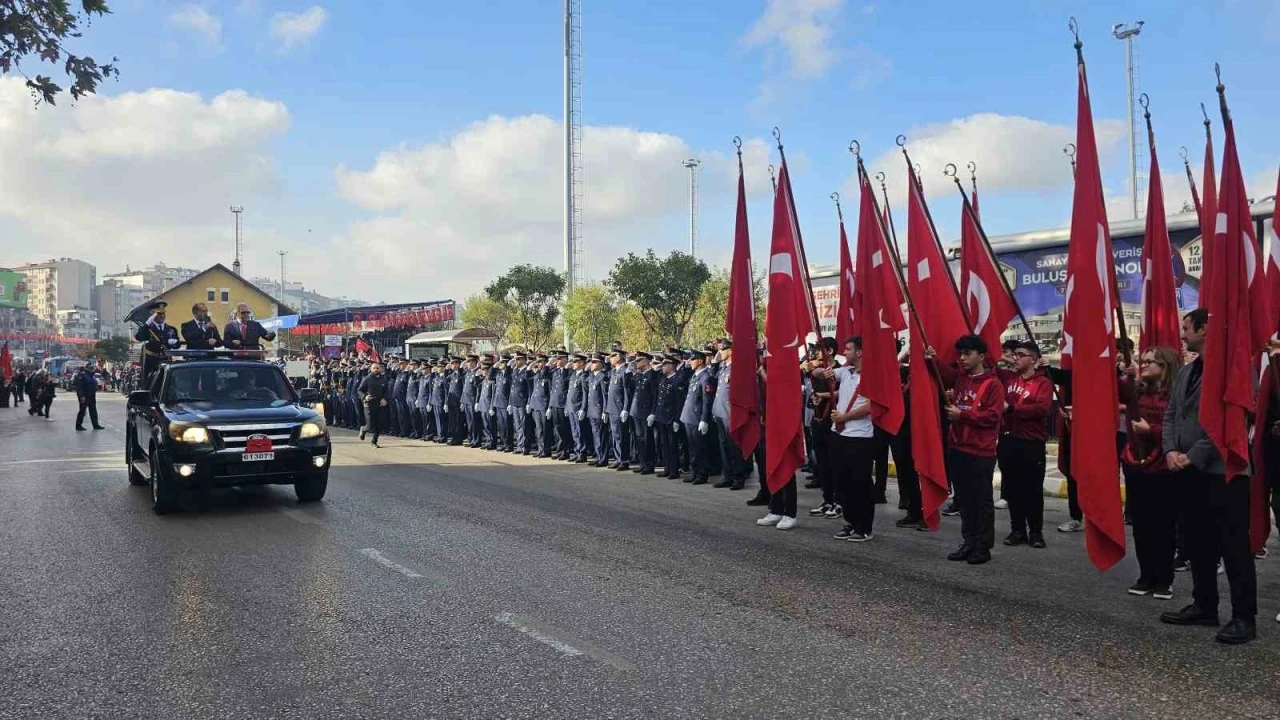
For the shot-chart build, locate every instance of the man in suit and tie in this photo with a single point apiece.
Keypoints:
(245, 333)
(198, 333)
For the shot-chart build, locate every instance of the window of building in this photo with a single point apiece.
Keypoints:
(226, 295)
(210, 294)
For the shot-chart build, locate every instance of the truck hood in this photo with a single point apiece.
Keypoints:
(205, 412)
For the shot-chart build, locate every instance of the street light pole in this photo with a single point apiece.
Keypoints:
(693, 164)
(1124, 32)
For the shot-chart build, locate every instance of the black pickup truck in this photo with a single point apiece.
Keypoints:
(219, 419)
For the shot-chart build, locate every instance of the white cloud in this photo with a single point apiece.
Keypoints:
(1012, 153)
(803, 28)
(452, 214)
(133, 178)
(294, 29)
(196, 20)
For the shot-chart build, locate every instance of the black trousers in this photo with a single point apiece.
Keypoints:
(971, 477)
(821, 436)
(1022, 464)
(457, 426)
(783, 502)
(908, 478)
(736, 468)
(91, 406)
(376, 419)
(393, 417)
(1217, 517)
(1271, 463)
(855, 485)
(881, 469)
(670, 449)
(698, 466)
(1152, 499)
(642, 442)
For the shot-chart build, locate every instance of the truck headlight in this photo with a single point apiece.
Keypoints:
(311, 429)
(190, 434)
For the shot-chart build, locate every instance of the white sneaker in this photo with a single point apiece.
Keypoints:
(1277, 617)
(786, 523)
(770, 519)
(1071, 526)
(1002, 504)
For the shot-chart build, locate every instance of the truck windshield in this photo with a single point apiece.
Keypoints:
(244, 385)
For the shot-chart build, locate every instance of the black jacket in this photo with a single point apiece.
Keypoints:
(251, 339)
(374, 388)
(196, 339)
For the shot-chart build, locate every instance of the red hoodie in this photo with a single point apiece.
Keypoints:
(981, 402)
(1027, 405)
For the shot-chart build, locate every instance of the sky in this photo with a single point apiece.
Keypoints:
(411, 151)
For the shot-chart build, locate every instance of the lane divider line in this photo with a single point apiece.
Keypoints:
(560, 641)
(388, 563)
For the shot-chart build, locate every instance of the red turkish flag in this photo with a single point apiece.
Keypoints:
(6, 364)
(878, 316)
(1259, 508)
(1240, 320)
(1161, 324)
(990, 307)
(942, 322)
(1273, 259)
(1208, 213)
(1089, 327)
(786, 324)
(846, 326)
(740, 324)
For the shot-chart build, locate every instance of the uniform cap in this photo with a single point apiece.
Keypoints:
(157, 305)
(642, 354)
(726, 343)
(669, 360)
(617, 350)
(579, 357)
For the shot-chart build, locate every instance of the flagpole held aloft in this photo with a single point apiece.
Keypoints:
(811, 306)
(892, 233)
(1070, 152)
(839, 213)
(937, 240)
(773, 180)
(973, 176)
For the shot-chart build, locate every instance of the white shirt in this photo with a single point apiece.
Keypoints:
(850, 380)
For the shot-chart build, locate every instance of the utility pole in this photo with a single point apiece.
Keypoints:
(572, 149)
(693, 164)
(282, 253)
(1126, 32)
(237, 210)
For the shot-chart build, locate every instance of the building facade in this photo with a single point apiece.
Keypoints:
(61, 284)
(114, 301)
(80, 323)
(152, 280)
(219, 289)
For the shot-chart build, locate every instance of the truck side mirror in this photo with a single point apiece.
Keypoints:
(141, 398)
(309, 395)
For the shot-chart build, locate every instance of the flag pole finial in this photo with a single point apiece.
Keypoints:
(1074, 27)
(737, 143)
(881, 177)
(1222, 96)
(839, 212)
(856, 148)
(901, 140)
(777, 135)
(1145, 101)
(773, 180)
(973, 176)
(950, 170)
(1182, 153)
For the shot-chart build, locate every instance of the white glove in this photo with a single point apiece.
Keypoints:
(548, 413)
(173, 342)
(604, 417)
(624, 415)
(492, 412)
(429, 408)
(151, 319)
(702, 428)
(581, 414)
(675, 426)
(446, 408)
(649, 421)
(477, 407)
(528, 410)
(511, 409)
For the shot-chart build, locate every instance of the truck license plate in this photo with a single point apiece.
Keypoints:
(255, 457)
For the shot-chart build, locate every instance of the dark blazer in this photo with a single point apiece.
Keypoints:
(1182, 431)
(250, 339)
(196, 339)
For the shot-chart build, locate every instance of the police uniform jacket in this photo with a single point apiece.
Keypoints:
(157, 339)
(401, 387)
(720, 406)
(540, 390)
(619, 382)
(670, 399)
(457, 378)
(559, 386)
(596, 383)
(697, 405)
(575, 397)
(439, 393)
(487, 387)
(502, 389)
(411, 388)
(469, 389)
(644, 393)
(519, 391)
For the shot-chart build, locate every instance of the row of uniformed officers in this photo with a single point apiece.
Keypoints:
(626, 411)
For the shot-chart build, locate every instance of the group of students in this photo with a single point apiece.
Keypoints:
(636, 411)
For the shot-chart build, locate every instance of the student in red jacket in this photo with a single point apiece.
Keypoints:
(1021, 450)
(975, 407)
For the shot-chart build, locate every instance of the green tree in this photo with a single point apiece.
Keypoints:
(532, 294)
(713, 305)
(38, 29)
(591, 315)
(483, 311)
(113, 349)
(633, 332)
(666, 290)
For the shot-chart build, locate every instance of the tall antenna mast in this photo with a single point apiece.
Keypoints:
(573, 269)
(1126, 32)
(693, 164)
(281, 253)
(237, 210)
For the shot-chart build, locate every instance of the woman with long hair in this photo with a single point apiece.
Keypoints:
(1152, 497)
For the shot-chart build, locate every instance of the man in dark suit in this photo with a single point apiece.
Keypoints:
(641, 406)
(244, 333)
(198, 333)
(157, 339)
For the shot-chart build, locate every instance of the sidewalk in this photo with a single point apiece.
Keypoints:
(1055, 484)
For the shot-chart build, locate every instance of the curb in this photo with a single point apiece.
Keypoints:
(1054, 487)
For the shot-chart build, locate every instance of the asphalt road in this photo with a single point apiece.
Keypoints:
(454, 583)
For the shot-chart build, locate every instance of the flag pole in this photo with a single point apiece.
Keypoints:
(737, 144)
(973, 176)
(892, 233)
(773, 180)
(964, 311)
(804, 262)
(1070, 151)
(1191, 179)
(902, 281)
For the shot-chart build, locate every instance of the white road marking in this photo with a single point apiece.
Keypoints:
(305, 518)
(516, 623)
(560, 641)
(388, 563)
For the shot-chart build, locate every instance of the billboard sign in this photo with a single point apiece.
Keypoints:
(13, 289)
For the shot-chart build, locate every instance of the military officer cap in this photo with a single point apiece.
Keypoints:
(640, 354)
(669, 360)
(486, 362)
(522, 356)
(726, 343)
(506, 357)
(695, 354)
(543, 357)
(598, 357)
(158, 306)
(617, 350)
(473, 357)
(579, 357)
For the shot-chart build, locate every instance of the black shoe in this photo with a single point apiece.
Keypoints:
(623, 467)
(979, 557)
(375, 444)
(758, 501)
(882, 500)
(80, 429)
(1181, 565)
(950, 510)
(362, 435)
(699, 481)
(1015, 539)
(812, 485)
(98, 427)
(1037, 541)
(1141, 588)
(1238, 632)
(580, 461)
(908, 522)
(845, 533)
(646, 471)
(961, 553)
(723, 484)
(738, 486)
(1190, 615)
(903, 505)
(600, 463)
